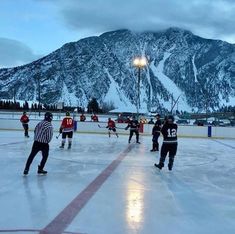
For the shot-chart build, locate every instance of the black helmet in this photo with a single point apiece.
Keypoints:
(24, 113)
(158, 115)
(48, 116)
(67, 113)
(171, 118)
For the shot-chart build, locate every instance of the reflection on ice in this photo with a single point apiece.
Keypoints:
(135, 204)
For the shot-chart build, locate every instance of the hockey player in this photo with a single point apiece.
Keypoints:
(134, 128)
(82, 117)
(42, 136)
(156, 133)
(111, 127)
(158, 120)
(24, 120)
(95, 118)
(66, 128)
(169, 145)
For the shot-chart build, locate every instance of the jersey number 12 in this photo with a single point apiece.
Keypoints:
(171, 133)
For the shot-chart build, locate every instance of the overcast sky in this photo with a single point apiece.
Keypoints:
(30, 29)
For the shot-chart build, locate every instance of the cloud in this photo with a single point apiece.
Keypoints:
(15, 53)
(212, 19)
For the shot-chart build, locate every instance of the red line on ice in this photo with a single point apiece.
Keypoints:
(62, 220)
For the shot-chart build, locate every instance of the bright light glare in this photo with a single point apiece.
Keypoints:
(140, 62)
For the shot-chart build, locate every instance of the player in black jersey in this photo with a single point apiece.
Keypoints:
(169, 145)
(156, 133)
(134, 128)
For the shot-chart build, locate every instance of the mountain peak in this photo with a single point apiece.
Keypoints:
(199, 71)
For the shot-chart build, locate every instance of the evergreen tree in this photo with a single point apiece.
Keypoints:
(93, 106)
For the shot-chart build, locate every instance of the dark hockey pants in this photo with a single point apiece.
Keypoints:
(155, 142)
(26, 128)
(155, 146)
(165, 149)
(38, 146)
(136, 133)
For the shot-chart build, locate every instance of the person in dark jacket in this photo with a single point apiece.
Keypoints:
(42, 136)
(156, 133)
(151, 121)
(134, 128)
(82, 117)
(25, 120)
(169, 145)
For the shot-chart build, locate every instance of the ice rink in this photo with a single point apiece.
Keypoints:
(107, 186)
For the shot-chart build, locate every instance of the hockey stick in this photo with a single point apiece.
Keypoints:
(106, 127)
(58, 136)
(100, 126)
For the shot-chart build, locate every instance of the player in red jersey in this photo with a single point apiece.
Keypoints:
(24, 120)
(111, 127)
(95, 118)
(66, 128)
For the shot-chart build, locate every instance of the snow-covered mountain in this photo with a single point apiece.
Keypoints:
(200, 71)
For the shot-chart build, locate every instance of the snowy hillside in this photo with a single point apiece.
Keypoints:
(199, 71)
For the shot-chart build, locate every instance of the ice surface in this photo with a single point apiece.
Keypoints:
(197, 197)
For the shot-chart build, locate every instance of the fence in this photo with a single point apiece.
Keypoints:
(92, 127)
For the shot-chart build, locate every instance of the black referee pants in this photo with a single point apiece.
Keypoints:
(38, 146)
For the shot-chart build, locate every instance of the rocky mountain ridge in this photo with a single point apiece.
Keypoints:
(199, 72)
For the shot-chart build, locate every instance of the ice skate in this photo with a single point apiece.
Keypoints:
(26, 172)
(170, 167)
(41, 171)
(153, 150)
(159, 166)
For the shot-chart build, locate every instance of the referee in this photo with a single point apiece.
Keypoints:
(42, 136)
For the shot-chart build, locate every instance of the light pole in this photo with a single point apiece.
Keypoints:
(139, 63)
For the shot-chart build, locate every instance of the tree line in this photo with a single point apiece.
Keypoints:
(92, 107)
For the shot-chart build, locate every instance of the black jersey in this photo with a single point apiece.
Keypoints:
(156, 130)
(133, 125)
(158, 122)
(169, 132)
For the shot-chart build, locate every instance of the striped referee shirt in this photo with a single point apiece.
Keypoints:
(43, 132)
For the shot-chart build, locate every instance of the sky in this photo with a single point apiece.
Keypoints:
(30, 29)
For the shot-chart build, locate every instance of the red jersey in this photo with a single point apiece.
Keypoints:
(24, 119)
(95, 118)
(111, 124)
(67, 124)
